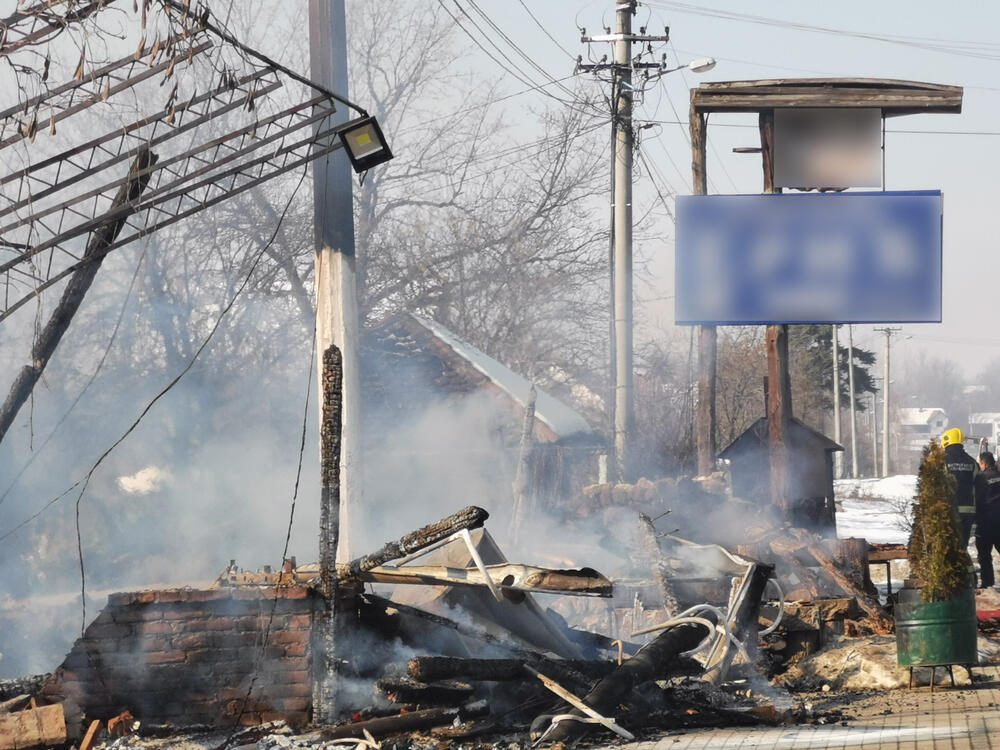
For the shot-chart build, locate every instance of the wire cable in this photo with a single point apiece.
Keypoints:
(265, 640)
(85, 481)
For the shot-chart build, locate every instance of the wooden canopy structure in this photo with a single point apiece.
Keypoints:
(893, 97)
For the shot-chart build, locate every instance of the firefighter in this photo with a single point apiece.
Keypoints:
(987, 516)
(965, 469)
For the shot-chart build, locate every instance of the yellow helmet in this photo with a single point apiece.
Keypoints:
(952, 437)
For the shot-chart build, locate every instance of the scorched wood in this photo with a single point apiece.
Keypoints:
(431, 668)
(97, 248)
(467, 518)
(583, 582)
(409, 691)
(408, 722)
(653, 661)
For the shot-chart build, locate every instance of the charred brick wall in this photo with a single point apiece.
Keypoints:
(188, 656)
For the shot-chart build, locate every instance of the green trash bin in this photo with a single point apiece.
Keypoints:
(936, 633)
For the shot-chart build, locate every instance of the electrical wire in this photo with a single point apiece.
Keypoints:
(514, 70)
(90, 381)
(538, 23)
(265, 640)
(962, 48)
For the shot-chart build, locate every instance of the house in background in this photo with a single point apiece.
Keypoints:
(917, 427)
(444, 419)
(985, 424)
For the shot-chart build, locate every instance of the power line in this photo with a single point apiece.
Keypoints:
(90, 381)
(569, 54)
(959, 48)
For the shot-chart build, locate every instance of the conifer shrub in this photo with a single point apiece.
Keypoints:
(937, 559)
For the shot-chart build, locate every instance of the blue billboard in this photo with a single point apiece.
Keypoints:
(808, 258)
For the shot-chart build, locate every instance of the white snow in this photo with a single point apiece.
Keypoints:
(875, 509)
(560, 418)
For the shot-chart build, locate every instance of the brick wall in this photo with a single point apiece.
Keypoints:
(188, 656)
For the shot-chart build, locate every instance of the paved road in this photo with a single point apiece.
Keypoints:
(956, 719)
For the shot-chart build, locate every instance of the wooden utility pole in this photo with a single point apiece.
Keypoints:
(324, 687)
(336, 286)
(707, 336)
(72, 297)
(779, 397)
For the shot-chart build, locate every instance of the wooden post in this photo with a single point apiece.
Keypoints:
(779, 397)
(520, 486)
(76, 289)
(336, 284)
(324, 670)
(707, 335)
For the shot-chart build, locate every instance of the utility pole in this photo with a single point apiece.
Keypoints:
(621, 266)
(838, 457)
(874, 421)
(336, 286)
(850, 388)
(624, 394)
(779, 384)
(888, 331)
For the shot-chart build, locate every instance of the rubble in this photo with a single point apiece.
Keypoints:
(485, 658)
(34, 726)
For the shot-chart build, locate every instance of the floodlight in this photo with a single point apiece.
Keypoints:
(365, 145)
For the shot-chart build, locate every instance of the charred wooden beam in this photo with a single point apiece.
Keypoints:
(408, 722)
(653, 661)
(410, 691)
(879, 618)
(557, 666)
(72, 297)
(583, 582)
(433, 668)
(470, 517)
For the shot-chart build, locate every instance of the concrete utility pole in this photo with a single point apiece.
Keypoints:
(874, 421)
(838, 457)
(624, 394)
(850, 395)
(888, 331)
(336, 286)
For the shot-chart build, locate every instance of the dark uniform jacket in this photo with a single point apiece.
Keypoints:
(964, 468)
(988, 495)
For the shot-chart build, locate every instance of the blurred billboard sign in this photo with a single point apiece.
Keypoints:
(808, 258)
(827, 148)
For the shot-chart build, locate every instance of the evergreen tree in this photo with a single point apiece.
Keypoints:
(937, 559)
(811, 369)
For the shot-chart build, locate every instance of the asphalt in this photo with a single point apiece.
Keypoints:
(908, 719)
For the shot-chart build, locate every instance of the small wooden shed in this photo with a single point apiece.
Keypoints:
(810, 472)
